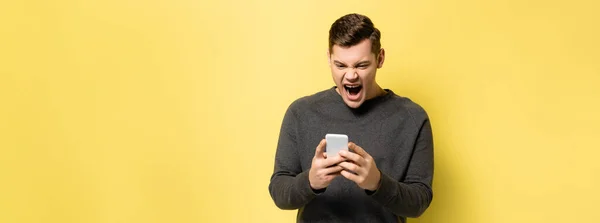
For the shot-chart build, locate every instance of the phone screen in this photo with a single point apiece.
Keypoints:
(335, 143)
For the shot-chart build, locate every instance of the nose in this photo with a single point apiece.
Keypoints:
(351, 75)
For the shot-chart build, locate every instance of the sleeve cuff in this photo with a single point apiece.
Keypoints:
(386, 190)
(303, 185)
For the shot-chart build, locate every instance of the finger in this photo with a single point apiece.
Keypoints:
(350, 176)
(335, 174)
(352, 167)
(334, 170)
(333, 160)
(320, 149)
(353, 157)
(358, 150)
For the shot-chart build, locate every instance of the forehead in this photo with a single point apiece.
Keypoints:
(352, 54)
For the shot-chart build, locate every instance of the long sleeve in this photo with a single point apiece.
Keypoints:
(412, 196)
(289, 186)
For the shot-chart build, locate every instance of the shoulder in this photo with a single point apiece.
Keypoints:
(408, 107)
(311, 102)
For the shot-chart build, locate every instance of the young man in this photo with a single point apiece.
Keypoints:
(387, 174)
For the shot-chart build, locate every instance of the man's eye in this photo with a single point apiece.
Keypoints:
(341, 66)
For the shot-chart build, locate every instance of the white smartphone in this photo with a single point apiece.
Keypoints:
(335, 143)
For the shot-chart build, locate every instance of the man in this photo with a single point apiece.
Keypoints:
(387, 173)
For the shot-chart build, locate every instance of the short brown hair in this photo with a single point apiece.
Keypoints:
(351, 29)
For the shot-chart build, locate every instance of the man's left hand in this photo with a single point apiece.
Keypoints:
(366, 174)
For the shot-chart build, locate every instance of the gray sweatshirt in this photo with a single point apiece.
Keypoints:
(394, 130)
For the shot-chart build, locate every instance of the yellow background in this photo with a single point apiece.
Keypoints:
(169, 111)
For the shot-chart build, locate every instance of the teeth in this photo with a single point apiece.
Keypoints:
(348, 86)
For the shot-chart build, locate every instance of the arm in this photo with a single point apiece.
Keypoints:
(411, 197)
(289, 186)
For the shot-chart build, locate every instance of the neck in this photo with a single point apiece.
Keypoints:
(378, 91)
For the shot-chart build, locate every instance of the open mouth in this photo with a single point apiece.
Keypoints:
(353, 91)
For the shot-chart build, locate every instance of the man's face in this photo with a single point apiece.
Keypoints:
(353, 70)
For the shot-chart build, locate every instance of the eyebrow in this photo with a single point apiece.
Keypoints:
(364, 62)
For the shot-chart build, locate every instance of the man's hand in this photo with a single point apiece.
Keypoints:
(323, 169)
(366, 174)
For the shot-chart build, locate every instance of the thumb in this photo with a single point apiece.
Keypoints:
(357, 149)
(319, 152)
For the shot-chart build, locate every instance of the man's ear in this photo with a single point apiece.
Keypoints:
(380, 58)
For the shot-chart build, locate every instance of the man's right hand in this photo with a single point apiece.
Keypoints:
(323, 169)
